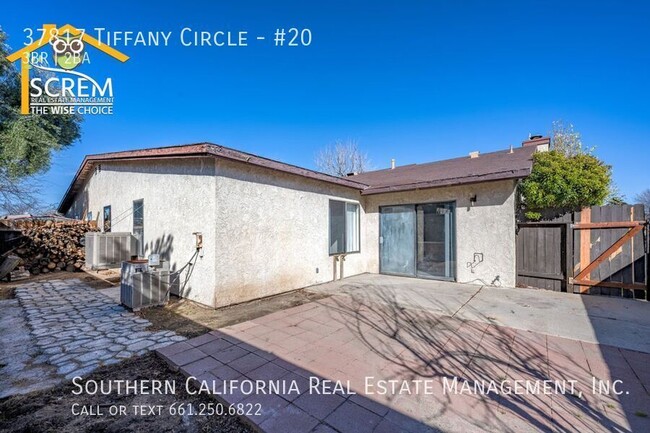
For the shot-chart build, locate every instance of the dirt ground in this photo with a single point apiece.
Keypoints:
(191, 319)
(7, 292)
(51, 411)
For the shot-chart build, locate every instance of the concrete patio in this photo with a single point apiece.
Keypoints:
(596, 319)
(412, 331)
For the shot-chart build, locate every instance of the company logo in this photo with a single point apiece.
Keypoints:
(58, 85)
(68, 50)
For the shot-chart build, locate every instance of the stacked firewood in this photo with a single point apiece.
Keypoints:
(52, 246)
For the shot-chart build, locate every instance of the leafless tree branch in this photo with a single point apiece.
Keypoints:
(566, 140)
(644, 198)
(341, 158)
(17, 196)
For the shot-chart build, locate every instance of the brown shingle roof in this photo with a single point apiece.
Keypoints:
(193, 150)
(488, 166)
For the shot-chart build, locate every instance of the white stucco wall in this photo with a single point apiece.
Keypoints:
(179, 199)
(272, 232)
(267, 232)
(488, 227)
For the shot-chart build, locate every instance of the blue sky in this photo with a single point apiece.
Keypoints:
(411, 80)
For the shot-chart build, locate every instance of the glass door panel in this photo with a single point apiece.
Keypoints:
(397, 240)
(435, 240)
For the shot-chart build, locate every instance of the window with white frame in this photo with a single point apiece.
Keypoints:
(344, 227)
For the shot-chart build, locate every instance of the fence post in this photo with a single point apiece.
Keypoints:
(585, 246)
(568, 251)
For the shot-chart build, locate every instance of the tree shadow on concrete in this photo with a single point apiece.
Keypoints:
(421, 345)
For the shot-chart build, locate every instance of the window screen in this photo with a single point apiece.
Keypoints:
(351, 227)
(107, 219)
(344, 227)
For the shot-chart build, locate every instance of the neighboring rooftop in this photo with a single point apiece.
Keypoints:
(508, 164)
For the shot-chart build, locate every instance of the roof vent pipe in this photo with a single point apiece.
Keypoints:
(474, 154)
(392, 164)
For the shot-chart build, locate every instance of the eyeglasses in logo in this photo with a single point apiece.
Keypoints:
(68, 51)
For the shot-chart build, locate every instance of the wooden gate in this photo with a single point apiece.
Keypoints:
(600, 250)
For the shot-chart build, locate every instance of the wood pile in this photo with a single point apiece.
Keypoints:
(51, 246)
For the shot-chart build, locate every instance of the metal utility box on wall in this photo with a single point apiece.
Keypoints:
(144, 286)
(109, 250)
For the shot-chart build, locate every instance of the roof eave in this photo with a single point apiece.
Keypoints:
(491, 177)
(197, 150)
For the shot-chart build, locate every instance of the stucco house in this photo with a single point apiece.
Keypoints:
(270, 227)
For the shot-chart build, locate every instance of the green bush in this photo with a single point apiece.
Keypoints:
(564, 182)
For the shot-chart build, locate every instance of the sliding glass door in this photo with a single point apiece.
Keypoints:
(397, 240)
(418, 240)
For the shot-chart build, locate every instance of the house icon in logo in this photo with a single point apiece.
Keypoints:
(65, 41)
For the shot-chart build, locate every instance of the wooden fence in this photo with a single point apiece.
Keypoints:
(599, 250)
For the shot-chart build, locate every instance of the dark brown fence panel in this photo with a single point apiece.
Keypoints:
(540, 256)
(550, 254)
